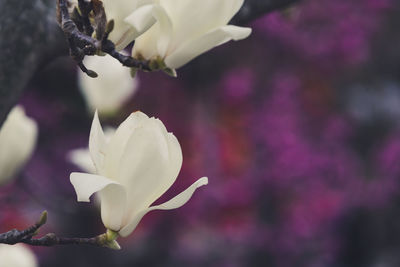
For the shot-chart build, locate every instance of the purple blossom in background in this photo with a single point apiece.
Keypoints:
(300, 159)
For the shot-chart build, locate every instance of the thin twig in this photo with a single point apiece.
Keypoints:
(52, 240)
(15, 236)
(82, 43)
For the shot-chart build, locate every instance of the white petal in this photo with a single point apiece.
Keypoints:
(145, 167)
(113, 206)
(235, 6)
(181, 199)
(86, 185)
(141, 19)
(81, 158)
(165, 32)
(111, 89)
(174, 203)
(97, 144)
(117, 144)
(175, 164)
(146, 44)
(112, 196)
(117, 10)
(194, 48)
(193, 18)
(17, 140)
(17, 255)
(155, 41)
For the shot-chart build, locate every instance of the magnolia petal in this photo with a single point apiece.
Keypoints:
(97, 143)
(141, 19)
(175, 164)
(118, 142)
(86, 185)
(175, 154)
(235, 6)
(165, 31)
(81, 158)
(18, 255)
(17, 141)
(117, 10)
(112, 196)
(126, 37)
(174, 203)
(102, 94)
(156, 40)
(146, 44)
(194, 48)
(145, 165)
(113, 206)
(193, 18)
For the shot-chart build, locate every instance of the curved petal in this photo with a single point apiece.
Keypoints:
(141, 19)
(193, 18)
(117, 144)
(145, 165)
(235, 7)
(81, 158)
(174, 203)
(102, 93)
(194, 48)
(97, 143)
(18, 137)
(113, 206)
(86, 185)
(117, 10)
(165, 32)
(157, 39)
(175, 164)
(112, 196)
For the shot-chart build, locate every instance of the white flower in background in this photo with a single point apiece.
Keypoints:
(17, 141)
(81, 156)
(187, 28)
(134, 168)
(17, 256)
(111, 89)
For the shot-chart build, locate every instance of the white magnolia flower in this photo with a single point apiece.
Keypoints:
(186, 29)
(134, 168)
(111, 89)
(17, 141)
(17, 256)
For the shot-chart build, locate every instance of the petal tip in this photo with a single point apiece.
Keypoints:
(202, 181)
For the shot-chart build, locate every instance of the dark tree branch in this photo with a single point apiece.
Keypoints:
(26, 236)
(252, 9)
(30, 37)
(82, 44)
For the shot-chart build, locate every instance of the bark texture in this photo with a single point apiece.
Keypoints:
(29, 35)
